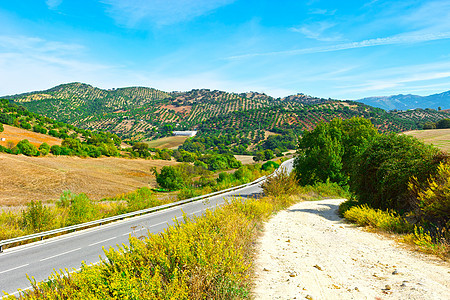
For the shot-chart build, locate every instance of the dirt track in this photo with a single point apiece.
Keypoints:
(308, 250)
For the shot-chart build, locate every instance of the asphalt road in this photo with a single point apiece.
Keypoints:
(66, 252)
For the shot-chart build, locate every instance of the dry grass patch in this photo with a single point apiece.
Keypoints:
(15, 135)
(24, 178)
(170, 142)
(438, 137)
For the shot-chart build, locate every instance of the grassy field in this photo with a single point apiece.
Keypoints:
(24, 178)
(438, 137)
(170, 142)
(15, 135)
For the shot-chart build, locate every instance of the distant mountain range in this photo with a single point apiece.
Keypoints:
(404, 102)
(138, 113)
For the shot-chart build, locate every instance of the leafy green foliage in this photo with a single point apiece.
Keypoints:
(44, 149)
(170, 178)
(434, 196)
(27, 148)
(383, 169)
(1, 127)
(327, 152)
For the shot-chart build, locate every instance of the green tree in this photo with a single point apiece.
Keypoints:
(327, 152)
(44, 148)
(383, 169)
(170, 178)
(55, 150)
(1, 127)
(444, 123)
(27, 148)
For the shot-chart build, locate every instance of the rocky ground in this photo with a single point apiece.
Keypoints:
(308, 252)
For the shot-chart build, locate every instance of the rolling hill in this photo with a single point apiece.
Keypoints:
(140, 113)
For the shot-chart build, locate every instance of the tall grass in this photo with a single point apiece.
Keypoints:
(206, 257)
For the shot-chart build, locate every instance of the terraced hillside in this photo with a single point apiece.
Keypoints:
(139, 113)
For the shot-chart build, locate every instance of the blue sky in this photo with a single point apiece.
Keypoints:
(338, 49)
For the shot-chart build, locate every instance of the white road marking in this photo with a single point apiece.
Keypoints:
(102, 241)
(12, 269)
(60, 254)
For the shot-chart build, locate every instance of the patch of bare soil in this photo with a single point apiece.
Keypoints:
(309, 252)
(24, 178)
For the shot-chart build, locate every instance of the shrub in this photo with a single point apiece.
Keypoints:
(434, 197)
(81, 209)
(27, 148)
(390, 221)
(280, 184)
(170, 178)
(269, 165)
(44, 148)
(55, 150)
(1, 127)
(382, 171)
(37, 217)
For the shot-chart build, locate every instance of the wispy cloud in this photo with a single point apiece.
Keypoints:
(53, 4)
(317, 31)
(393, 40)
(160, 12)
(324, 12)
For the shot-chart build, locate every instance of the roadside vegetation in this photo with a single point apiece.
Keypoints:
(201, 257)
(397, 183)
(71, 209)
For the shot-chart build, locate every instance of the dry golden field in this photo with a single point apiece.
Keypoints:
(170, 142)
(15, 135)
(24, 178)
(438, 137)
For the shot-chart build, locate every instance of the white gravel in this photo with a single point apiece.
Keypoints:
(308, 252)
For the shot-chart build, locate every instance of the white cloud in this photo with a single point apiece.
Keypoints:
(53, 4)
(317, 31)
(393, 40)
(160, 12)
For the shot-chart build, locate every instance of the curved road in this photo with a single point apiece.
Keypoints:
(40, 259)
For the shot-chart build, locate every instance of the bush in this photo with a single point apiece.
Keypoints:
(170, 178)
(389, 221)
(280, 184)
(1, 127)
(37, 217)
(382, 171)
(434, 197)
(81, 209)
(44, 148)
(269, 165)
(55, 150)
(27, 148)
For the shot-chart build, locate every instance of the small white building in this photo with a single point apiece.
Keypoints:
(185, 133)
(3, 139)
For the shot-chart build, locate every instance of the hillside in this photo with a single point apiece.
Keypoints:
(14, 135)
(24, 178)
(140, 113)
(404, 102)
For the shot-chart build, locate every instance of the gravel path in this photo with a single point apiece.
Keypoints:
(308, 252)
